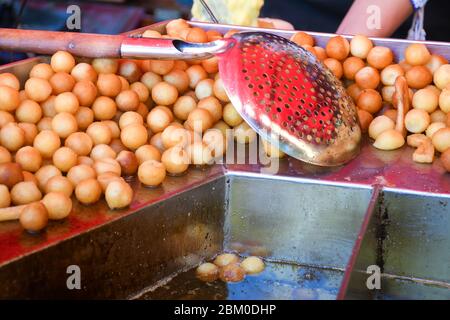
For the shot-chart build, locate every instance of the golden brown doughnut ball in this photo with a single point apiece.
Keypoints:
(134, 136)
(353, 91)
(34, 217)
(417, 54)
(213, 105)
(30, 130)
(156, 141)
(62, 61)
(213, 35)
(100, 133)
(150, 79)
(161, 67)
(380, 57)
(207, 272)
(86, 92)
(9, 80)
(418, 77)
(59, 184)
(222, 126)
(48, 107)
(118, 194)
(5, 118)
(12, 137)
(28, 176)
(351, 66)
(151, 34)
(252, 265)
(47, 142)
(367, 78)
(5, 155)
(130, 71)
(151, 173)
(5, 198)
(105, 65)
(102, 151)
(25, 192)
(243, 133)
(29, 111)
(10, 174)
(438, 116)
(445, 160)
(164, 94)
(84, 117)
(442, 76)
(199, 120)
(425, 99)
(64, 159)
(45, 173)
(41, 70)
(388, 93)
(390, 74)
(231, 116)
(85, 160)
(37, 89)
(219, 91)
(441, 139)
(129, 118)
(175, 26)
(9, 98)
(107, 165)
(127, 100)
(61, 82)
(159, 118)
(117, 145)
(417, 120)
(104, 108)
(196, 73)
(196, 35)
(88, 191)
(66, 102)
(141, 91)
(301, 38)
(176, 160)
(335, 66)
(444, 100)
(64, 124)
(337, 48)
(199, 154)
(370, 100)
(204, 88)
(183, 106)
(84, 71)
(435, 62)
(58, 205)
(128, 162)
(360, 46)
(109, 85)
(79, 142)
(29, 158)
(80, 173)
(147, 152)
(178, 78)
(232, 273)
(174, 135)
(211, 65)
(365, 118)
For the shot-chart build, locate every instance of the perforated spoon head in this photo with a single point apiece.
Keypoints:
(291, 99)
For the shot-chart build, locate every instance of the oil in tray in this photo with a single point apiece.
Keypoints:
(277, 281)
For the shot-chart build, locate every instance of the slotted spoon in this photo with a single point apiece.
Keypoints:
(280, 89)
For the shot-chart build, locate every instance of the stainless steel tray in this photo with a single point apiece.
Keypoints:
(327, 225)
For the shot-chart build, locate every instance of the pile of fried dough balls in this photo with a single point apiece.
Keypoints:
(369, 73)
(228, 268)
(79, 128)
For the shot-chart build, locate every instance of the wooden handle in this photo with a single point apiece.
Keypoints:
(48, 42)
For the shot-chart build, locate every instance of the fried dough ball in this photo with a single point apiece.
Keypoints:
(161, 67)
(62, 61)
(58, 205)
(66, 102)
(207, 272)
(134, 136)
(380, 57)
(199, 120)
(10, 174)
(64, 159)
(337, 48)
(9, 98)
(30, 130)
(417, 54)
(211, 65)
(45, 173)
(433, 128)
(150, 79)
(199, 154)
(418, 77)
(29, 158)
(213, 105)
(389, 140)
(219, 91)
(29, 111)
(12, 137)
(84, 117)
(37, 89)
(128, 162)
(441, 76)
(109, 84)
(118, 194)
(365, 119)
(5, 118)
(84, 71)
(59, 184)
(444, 100)
(388, 93)
(34, 217)
(441, 139)
(225, 259)
(25, 192)
(196, 73)
(47, 142)
(86, 92)
(127, 100)
(176, 160)
(88, 191)
(107, 165)
(64, 124)
(159, 118)
(130, 71)
(5, 198)
(367, 78)
(80, 173)
(244, 134)
(214, 140)
(390, 73)
(10, 80)
(391, 114)
(252, 265)
(302, 38)
(104, 108)
(152, 173)
(178, 78)
(129, 118)
(141, 90)
(438, 116)
(5, 155)
(174, 27)
(204, 88)
(151, 34)
(147, 152)
(164, 94)
(360, 46)
(425, 99)
(231, 116)
(60, 82)
(41, 70)
(79, 142)
(232, 273)
(100, 133)
(183, 106)
(335, 66)
(102, 151)
(351, 66)
(370, 100)
(105, 65)
(48, 107)
(213, 35)
(417, 120)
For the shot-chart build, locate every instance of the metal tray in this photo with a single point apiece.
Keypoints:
(318, 228)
